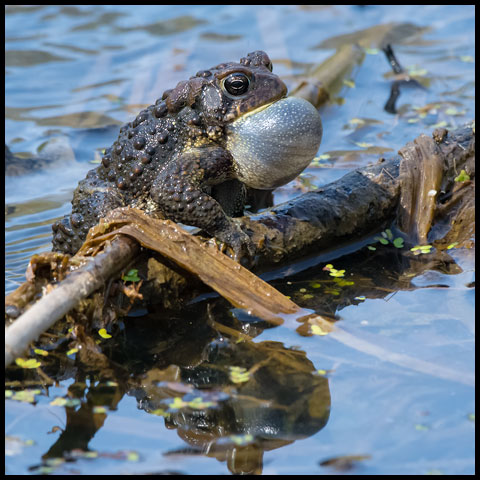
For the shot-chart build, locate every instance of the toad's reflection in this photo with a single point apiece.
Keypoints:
(243, 399)
(226, 396)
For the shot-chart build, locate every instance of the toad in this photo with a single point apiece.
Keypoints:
(192, 156)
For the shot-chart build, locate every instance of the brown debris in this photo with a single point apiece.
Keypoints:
(203, 259)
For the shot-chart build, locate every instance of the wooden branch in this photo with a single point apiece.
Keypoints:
(203, 259)
(234, 282)
(61, 300)
(327, 78)
(354, 205)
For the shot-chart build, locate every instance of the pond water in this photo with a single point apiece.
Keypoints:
(74, 74)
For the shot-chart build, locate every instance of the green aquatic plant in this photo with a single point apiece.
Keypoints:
(419, 249)
(131, 276)
(386, 238)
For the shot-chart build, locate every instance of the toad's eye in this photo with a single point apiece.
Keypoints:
(236, 84)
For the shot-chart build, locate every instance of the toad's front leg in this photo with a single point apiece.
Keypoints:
(182, 191)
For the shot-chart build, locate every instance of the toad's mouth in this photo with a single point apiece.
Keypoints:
(275, 143)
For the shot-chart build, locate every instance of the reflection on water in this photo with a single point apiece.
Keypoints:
(227, 399)
(277, 398)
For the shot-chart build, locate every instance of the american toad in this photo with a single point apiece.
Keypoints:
(192, 155)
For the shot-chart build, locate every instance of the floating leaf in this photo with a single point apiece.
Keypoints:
(454, 111)
(360, 297)
(357, 121)
(65, 402)
(382, 240)
(319, 161)
(371, 248)
(316, 330)
(363, 144)
(39, 351)
(160, 412)
(419, 249)
(104, 334)
(463, 177)
(349, 83)
(131, 276)
(199, 404)
(398, 242)
(386, 238)
(467, 59)
(420, 427)
(413, 70)
(177, 404)
(452, 245)
(441, 124)
(27, 363)
(333, 271)
(419, 72)
(241, 439)
(90, 454)
(133, 456)
(27, 396)
(239, 374)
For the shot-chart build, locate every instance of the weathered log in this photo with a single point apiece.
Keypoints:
(364, 199)
(361, 201)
